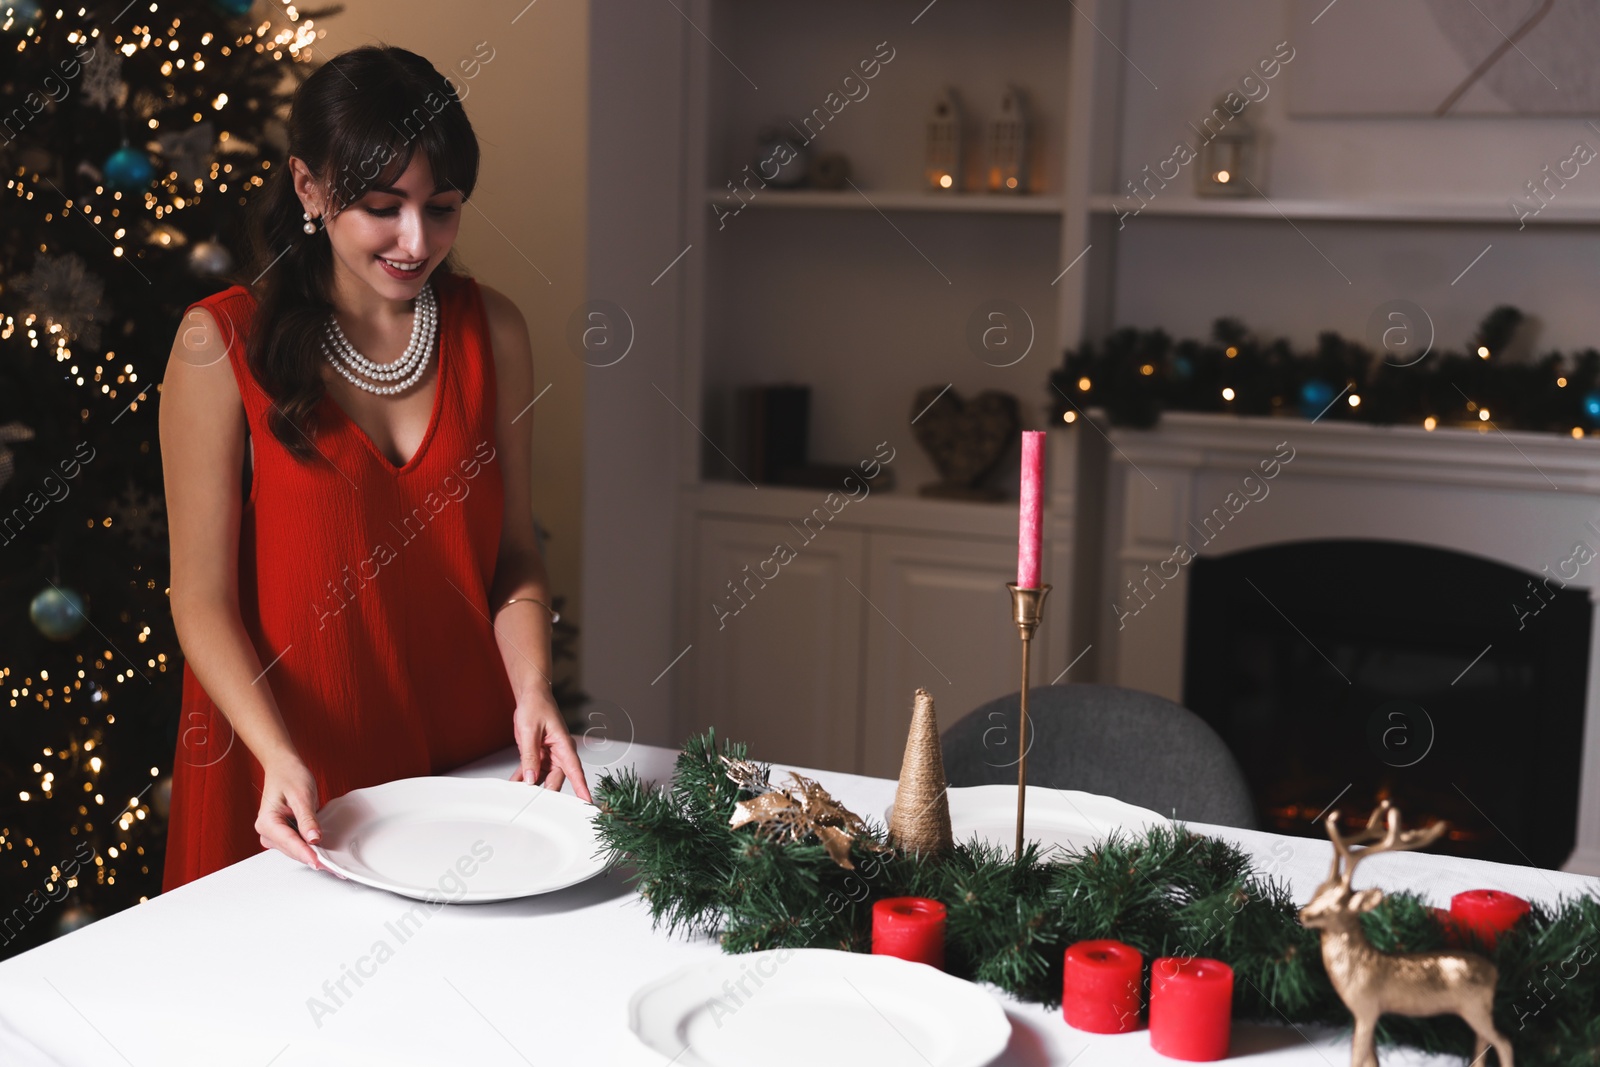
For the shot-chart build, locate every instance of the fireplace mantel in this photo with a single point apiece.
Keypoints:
(1520, 499)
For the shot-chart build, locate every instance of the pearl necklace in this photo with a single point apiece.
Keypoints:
(404, 372)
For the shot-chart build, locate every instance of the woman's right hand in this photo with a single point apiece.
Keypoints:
(287, 820)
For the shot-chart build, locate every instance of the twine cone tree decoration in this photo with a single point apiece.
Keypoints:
(921, 819)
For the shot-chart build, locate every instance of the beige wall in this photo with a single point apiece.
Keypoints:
(527, 99)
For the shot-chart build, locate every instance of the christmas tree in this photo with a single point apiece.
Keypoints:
(132, 137)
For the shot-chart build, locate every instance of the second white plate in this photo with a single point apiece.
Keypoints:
(462, 840)
(802, 1007)
(1057, 818)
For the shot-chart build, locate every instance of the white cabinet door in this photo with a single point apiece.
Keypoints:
(777, 650)
(940, 619)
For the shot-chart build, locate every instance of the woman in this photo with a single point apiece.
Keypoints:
(372, 605)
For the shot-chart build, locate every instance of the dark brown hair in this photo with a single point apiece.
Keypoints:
(355, 122)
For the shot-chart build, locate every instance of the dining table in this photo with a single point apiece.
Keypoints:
(232, 967)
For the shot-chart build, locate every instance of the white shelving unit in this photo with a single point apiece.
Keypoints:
(1358, 209)
(865, 294)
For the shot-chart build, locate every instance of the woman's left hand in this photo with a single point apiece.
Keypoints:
(549, 757)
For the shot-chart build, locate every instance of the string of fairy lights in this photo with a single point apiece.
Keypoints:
(1316, 396)
(1134, 374)
(144, 212)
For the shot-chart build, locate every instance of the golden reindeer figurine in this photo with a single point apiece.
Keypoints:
(1405, 983)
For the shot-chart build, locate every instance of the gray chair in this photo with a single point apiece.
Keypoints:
(1137, 747)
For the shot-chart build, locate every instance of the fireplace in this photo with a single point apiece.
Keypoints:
(1359, 670)
(1442, 582)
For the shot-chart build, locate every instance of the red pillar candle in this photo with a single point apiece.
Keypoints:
(1191, 1007)
(1030, 523)
(911, 928)
(1100, 987)
(1487, 913)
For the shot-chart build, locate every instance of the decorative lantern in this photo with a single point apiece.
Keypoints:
(943, 168)
(1009, 137)
(1228, 159)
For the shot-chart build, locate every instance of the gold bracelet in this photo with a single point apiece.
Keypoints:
(555, 616)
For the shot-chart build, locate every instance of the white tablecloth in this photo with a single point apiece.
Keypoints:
(221, 970)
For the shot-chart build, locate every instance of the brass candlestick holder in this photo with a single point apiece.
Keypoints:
(1027, 609)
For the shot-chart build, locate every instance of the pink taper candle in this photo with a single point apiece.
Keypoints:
(1030, 526)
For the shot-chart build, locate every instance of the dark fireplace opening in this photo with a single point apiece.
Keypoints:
(1343, 672)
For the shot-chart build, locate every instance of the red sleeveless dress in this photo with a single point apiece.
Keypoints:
(364, 587)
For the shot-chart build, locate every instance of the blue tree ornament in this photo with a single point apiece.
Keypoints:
(1591, 408)
(1315, 396)
(128, 170)
(57, 613)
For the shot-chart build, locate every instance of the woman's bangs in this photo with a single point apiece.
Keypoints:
(384, 144)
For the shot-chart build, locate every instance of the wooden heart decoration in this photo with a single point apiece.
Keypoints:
(964, 438)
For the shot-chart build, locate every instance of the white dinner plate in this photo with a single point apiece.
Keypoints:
(460, 840)
(1057, 818)
(807, 1006)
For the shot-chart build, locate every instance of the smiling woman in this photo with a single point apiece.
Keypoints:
(360, 370)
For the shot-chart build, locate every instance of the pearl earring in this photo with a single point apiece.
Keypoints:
(310, 226)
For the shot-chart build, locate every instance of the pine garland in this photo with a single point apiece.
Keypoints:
(1135, 375)
(1171, 892)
